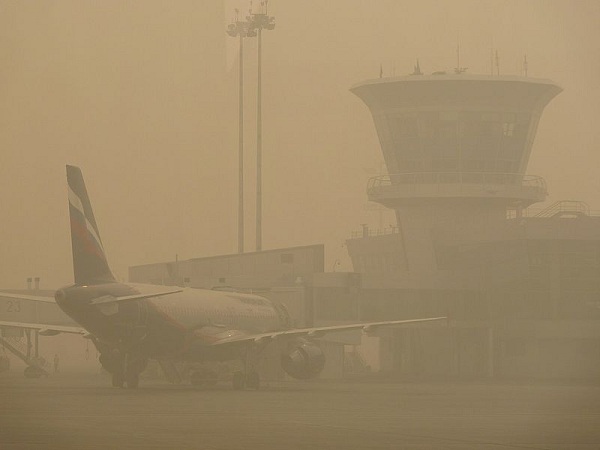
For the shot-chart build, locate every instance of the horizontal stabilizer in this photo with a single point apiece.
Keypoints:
(44, 329)
(35, 298)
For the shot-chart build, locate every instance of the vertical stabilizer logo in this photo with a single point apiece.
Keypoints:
(83, 228)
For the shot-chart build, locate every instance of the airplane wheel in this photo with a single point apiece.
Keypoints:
(238, 381)
(117, 380)
(253, 380)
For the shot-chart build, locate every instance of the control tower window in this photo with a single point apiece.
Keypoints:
(452, 141)
(405, 135)
(439, 140)
(403, 128)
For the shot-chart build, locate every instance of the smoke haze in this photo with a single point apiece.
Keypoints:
(140, 96)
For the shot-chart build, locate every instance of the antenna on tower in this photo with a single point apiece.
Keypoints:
(497, 64)
(417, 69)
(457, 54)
(458, 69)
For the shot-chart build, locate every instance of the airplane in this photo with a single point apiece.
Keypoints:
(132, 323)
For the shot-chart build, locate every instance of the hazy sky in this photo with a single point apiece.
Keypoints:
(140, 96)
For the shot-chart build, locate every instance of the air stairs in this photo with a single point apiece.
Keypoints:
(24, 350)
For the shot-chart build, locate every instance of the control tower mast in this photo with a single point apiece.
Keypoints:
(456, 147)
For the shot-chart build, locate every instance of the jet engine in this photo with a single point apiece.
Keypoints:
(303, 361)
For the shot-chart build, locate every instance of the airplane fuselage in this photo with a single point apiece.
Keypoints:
(131, 323)
(173, 326)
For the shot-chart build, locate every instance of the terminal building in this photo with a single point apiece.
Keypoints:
(520, 285)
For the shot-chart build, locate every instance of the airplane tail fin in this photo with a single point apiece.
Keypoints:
(89, 260)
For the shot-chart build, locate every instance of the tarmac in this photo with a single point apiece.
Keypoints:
(82, 412)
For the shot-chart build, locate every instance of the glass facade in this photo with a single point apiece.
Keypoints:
(452, 141)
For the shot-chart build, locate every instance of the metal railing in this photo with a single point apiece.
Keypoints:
(377, 232)
(463, 183)
(562, 207)
(491, 178)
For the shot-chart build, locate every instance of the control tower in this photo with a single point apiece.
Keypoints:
(456, 147)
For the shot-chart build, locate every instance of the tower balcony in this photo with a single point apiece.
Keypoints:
(513, 189)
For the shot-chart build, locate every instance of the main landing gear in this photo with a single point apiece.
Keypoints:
(124, 368)
(248, 377)
(131, 380)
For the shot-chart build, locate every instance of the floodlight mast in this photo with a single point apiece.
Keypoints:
(259, 21)
(241, 29)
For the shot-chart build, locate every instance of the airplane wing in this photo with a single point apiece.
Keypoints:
(110, 299)
(316, 332)
(44, 329)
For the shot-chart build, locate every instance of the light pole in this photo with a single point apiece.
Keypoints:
(241, 29)
(259, 21)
